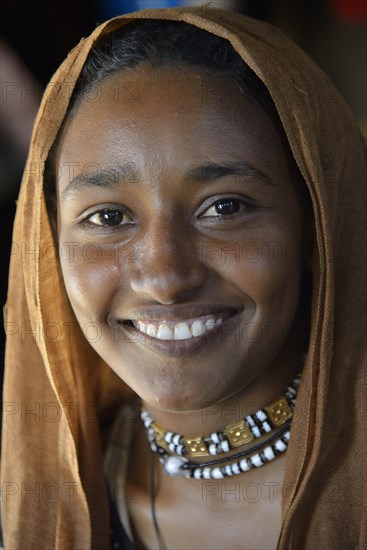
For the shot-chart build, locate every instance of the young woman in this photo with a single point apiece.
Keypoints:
(192, 177)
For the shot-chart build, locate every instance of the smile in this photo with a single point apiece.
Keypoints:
(180, 329)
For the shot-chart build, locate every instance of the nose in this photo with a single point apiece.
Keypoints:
(168, 267)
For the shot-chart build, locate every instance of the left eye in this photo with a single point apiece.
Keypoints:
(109, 217)
(224, 207)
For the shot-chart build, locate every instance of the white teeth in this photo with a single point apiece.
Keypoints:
(210, 324)
(197, 328)
(164, 332)
(151, 331)
(182, 332)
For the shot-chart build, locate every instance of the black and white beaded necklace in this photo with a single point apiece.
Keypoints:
(175, 451)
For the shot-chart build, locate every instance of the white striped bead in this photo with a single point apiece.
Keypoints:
(269, 453)
(261, 415)
(212, 449)
(244, 466)
(224, 445)
(256, 431)
(236, 468)
(168, 437)
(197, 473)
(280, 445)
(256, 460)
(176, 439)
(214, 437)
(217, 473)
(228, 470)
(250, 421)
(206, 473)
(266, 427)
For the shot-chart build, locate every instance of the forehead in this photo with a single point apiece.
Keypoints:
(165, 116)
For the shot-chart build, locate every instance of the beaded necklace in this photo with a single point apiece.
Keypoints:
(175, 450)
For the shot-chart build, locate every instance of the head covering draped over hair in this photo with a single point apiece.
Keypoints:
(58, 392)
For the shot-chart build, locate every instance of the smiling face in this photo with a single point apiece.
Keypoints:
(180, 234)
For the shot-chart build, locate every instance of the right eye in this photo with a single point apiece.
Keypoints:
(109, 217)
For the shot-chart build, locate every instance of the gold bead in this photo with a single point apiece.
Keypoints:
(279, 411)
(238, 434)
(195, 447)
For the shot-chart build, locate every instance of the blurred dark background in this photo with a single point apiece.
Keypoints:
(36, 36)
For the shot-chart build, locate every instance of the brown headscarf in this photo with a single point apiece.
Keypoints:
(58, 392)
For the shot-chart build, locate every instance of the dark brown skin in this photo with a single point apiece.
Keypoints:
(243, 512)
(171, 257)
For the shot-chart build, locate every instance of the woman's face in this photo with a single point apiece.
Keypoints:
(180, 235)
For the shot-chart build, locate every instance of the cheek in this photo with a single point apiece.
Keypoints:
(91, 277)
(278, 287)
(266, 272)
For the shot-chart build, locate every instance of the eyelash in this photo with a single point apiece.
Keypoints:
(243, 205)
(87, 220)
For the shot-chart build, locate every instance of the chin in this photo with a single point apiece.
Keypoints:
(173, 399)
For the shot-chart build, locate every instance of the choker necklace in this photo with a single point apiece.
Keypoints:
(175, 450)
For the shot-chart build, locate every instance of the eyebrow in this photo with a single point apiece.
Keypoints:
(128, 173)
(212, 171)
(104, 177)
